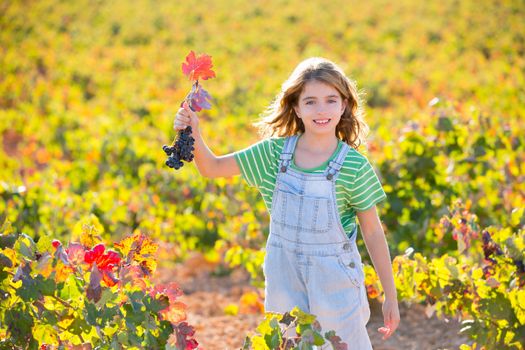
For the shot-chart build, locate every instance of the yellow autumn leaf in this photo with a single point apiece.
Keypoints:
(88, 231)
(251, 302)
(231, 309)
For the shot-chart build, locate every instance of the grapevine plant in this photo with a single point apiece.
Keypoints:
(294, 330)
(482, 284)
(56, 295)
(195, 68)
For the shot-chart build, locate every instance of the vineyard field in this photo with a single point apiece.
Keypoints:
(98, 234)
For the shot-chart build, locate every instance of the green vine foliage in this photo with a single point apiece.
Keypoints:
(294, 330)
(481, 283)
(433, 164)
(84, 295)
(82, 110)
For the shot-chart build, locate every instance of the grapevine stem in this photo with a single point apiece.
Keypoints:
(63, 302)
(189, 96)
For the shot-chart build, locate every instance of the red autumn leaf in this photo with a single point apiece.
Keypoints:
(176, 311)
(92, 255)
(172, 290)
(105, 263)
(183, 337)
(108, 261)
(75, 253)
(56, 243)
(196, 68)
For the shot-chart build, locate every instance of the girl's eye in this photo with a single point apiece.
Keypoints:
(309, 102)
(332, 101)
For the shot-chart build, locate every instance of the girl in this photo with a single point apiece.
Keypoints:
(314, 183)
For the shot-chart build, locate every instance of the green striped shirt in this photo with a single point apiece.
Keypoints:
(357, 186)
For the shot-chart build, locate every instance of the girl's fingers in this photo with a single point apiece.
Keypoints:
(389, 328)
(185, 117)
(180, 126)
(187, 108)
(182, 119)
(391, 325)
(387, 320)
(385, 331)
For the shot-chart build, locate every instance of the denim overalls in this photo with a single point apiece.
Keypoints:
(310, 261)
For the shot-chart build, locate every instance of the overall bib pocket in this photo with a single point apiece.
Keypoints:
(305, 213)
(353, 269)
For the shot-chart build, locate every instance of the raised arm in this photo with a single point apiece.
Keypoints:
(210, 165)
(207, 163)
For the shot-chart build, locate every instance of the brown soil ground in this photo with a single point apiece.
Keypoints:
(207, 295)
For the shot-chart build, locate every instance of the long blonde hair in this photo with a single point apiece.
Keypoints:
(280, 118)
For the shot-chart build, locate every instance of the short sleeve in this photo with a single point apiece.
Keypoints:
(256, 162)
(366, 190)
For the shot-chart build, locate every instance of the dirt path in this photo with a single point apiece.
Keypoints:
(207, 296)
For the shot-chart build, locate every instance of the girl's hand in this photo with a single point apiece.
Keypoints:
(186, 117)
(390, 317)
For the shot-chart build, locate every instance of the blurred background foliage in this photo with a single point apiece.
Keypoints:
(89, 90)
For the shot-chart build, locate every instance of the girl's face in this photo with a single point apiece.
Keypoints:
(320, 107)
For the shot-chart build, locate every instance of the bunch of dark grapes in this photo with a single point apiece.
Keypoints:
(182, 149)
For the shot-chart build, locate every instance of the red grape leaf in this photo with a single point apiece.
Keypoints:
(75, 253)
(196, 68)
(103, 263)
(176, 311)
(182, 337)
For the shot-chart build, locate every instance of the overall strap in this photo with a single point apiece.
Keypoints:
(287, 153)
(335, 165)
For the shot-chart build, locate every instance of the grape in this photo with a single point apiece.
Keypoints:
(182, 149)
(169, 150)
